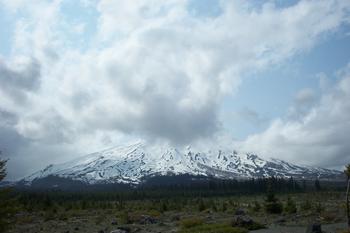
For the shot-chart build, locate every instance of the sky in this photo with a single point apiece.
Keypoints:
(267, 77)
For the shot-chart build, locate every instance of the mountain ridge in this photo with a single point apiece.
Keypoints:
(131, 163)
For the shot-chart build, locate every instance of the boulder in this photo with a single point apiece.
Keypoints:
(314, 228)
(125, 228)
(121, 230)
(118, 231)
(146, 219)
(281, 220)
(240, 212)
(247, 222)
(114, 222)
(242, 221)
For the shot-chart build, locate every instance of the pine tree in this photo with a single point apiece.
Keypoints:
(256, 207)
(163, 207)
(317, 185)
(7, 208)
(272, 204)
(291, 207)
(224, 206)
(201, 205)
(347, 173)
(304, 185)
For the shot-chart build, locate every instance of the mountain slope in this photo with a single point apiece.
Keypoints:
(129, 164)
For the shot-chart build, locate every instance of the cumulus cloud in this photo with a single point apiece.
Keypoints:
(163, 67)
(319, 136)
(18, 78)
(303, 101)
(151, 69)
(250, 116)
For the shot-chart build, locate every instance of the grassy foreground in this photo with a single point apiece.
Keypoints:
(186, 214)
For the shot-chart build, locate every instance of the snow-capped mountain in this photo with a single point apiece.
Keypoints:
(129, 164)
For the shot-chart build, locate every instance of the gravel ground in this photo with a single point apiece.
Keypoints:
(328, 228)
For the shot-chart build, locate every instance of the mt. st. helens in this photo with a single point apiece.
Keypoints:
(129, 164)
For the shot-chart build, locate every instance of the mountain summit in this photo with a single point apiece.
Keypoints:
(130, 164)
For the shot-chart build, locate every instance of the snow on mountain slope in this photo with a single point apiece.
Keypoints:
(129, 164)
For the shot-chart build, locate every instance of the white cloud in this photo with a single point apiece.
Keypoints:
(153, 69)
(303, 101)
(19, 78)
(319, 136)
(158, 56)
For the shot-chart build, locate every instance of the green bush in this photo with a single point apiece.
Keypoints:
(124, 217)
(7, 204)
(256, 206)
(256, 226)
(26, 219)
(201, 205)
(291, 207)
(319, 208)
(274, 207)
(306, 205)
(49, 215)
(164, 207)
(153, 213)
(272, 204)
(224, 206)
(63, 217)
(191, 222)
(100, 219)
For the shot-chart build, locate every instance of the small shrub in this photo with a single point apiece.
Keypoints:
(274, 207)
(163, 207)
(256, 206)
(68, 206)
(291, 207)
(201, 205)
(329, 217)
(214, 207)
(191, 222)
(25, 219)
(306, 205)
(99, 219)
(246, 222)
(124, 218)
(63, 217)
(7, 204)
(319, 207)
(153, 213)
(224, 206)
(49, 215)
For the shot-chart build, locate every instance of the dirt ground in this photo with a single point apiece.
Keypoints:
(168, 222)
(327, 228)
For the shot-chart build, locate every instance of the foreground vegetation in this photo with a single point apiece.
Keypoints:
(207, 207)
(7, 202)
(62, 212)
